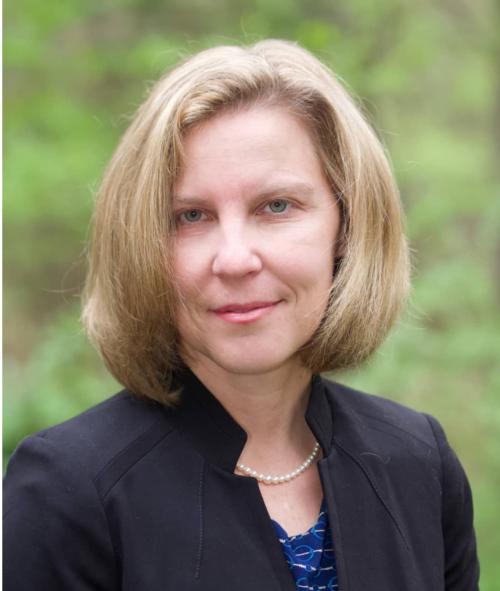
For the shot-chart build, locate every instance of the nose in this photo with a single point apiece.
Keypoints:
(236, 253)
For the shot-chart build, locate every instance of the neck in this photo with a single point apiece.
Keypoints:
(270, 407)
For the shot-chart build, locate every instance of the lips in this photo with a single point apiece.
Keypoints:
(245, 313)
(243, 308)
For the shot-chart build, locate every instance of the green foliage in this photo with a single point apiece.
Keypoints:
(59, 380)
(426, 75)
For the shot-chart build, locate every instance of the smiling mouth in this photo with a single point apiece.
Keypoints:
(242, 308)
(245, 313)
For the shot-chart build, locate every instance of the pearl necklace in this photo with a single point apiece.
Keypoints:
(270, 479)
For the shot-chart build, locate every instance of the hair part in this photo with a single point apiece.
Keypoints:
(130, 299)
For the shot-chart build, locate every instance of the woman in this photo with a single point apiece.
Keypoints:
(247, 237)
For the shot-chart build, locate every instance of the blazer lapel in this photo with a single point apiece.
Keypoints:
(372, 548)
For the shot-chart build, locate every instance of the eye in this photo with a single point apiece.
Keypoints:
(278, 205)
(190, 216)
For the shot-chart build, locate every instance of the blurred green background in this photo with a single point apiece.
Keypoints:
(427, 74)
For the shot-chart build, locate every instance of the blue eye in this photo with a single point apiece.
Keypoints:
(191, 215)
(278, 205)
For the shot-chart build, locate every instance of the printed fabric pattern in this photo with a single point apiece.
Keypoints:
(310, 555)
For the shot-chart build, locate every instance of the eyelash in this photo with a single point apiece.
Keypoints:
(284, 201)
(181, 216)
(181, 219)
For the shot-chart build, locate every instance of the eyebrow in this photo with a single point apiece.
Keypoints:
(298, 188)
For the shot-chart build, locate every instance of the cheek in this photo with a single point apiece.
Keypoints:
(311, 253)
(188, 265)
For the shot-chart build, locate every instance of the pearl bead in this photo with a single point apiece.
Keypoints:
(279, 479)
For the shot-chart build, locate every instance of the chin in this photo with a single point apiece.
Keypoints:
(250, 368)
(247, 363)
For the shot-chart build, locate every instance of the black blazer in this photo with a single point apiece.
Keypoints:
(132, 496)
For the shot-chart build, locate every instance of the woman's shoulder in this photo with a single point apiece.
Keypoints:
(93, 439)
(383, 419)
(389, 438)
(54, 490)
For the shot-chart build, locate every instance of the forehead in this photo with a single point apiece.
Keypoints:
(252, 147)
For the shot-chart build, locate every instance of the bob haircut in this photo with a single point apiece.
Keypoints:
(130, 299)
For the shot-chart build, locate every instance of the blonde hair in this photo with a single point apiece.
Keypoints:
(130, 296)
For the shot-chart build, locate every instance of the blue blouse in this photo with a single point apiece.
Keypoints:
(310, 555)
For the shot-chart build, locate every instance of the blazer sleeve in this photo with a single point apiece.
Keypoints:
(461, 561)
(55, 530)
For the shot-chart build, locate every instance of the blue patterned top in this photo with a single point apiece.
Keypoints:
(310, 555)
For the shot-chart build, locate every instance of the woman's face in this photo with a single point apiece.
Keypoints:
(254, 244)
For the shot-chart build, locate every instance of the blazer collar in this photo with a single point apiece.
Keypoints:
(219, 438)
(354, 473)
